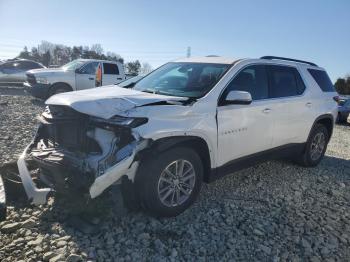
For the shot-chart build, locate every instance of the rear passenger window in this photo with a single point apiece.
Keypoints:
(322, 79)
(110, 69)
(252, 79)
(285, 81)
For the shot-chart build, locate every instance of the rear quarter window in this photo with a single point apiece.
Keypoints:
(322, 79)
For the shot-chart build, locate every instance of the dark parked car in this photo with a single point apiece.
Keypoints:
(14, 72)
(343, 109)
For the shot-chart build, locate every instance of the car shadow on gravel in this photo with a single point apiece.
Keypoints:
(255, 213)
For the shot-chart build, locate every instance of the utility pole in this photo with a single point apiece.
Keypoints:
(189, 51)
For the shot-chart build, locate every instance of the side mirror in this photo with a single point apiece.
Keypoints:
(238, 98)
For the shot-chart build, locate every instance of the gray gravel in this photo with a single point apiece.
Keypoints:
(276, 211)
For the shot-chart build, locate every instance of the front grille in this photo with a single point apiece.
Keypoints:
(31, 79)
(66, 128)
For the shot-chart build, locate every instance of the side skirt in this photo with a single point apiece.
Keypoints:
(251, 160)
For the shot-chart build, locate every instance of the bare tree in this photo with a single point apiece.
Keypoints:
(133, 67)
(146, 68)
(49, 53)
(97, 48)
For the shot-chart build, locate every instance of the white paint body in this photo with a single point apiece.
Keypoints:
(230, 132)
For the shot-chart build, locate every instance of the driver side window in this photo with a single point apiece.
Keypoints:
(89, 69)
(252, 79)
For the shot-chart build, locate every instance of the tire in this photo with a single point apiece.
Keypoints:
(59, 88)
(315, 148)
(341, 119)
(153, 182)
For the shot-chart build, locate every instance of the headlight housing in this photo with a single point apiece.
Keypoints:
(41, 80)
(119, 121)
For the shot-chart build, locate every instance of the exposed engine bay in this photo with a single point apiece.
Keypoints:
(73, 150)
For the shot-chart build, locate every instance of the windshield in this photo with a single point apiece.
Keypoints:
(130, 82)
(73, 65)
(182, 79)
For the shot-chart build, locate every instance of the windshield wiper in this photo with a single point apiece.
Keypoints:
(160, 92)
(151, 91)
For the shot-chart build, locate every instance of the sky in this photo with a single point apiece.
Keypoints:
(159, 31)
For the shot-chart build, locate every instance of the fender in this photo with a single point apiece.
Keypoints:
(166, 140)
(194, 142)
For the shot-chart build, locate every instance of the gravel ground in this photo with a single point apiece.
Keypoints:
(276, 211)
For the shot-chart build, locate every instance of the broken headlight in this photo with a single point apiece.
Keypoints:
(120, 121)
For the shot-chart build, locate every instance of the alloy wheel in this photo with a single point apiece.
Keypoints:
(176, 183)
(317, 146)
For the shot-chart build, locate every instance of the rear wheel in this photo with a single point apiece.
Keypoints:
(170, 183)
(315, 147)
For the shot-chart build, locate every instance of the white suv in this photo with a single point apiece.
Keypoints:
(189, 121)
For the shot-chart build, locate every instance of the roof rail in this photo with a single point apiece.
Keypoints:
(287, 59)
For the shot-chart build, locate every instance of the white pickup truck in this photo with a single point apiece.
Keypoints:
(77, 75)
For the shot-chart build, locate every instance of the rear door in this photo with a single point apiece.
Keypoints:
(290, 104)
(85, 76)
(111, 74)
(245, 129)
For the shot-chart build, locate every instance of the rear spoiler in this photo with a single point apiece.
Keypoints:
(2, 200)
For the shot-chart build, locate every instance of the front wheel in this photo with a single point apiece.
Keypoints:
(170, 183)
(59, 88)
(315, 147)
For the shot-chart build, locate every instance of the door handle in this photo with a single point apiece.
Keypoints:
(308, 104)
(119, 78)
(91, 78)
(266, 110)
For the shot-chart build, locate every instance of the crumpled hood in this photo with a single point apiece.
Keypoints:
(108, 101)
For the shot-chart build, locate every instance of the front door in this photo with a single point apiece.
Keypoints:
(245, 129)
(85, 76)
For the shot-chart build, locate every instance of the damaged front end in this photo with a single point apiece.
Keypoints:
(81, 153)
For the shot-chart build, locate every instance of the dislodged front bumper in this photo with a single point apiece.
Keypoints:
(35, 195)
(38, 196)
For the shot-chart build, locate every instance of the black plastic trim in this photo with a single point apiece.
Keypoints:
(251, 160)
(321, 117)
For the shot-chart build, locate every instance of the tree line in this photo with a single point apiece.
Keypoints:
(50, 54)
(342, 85)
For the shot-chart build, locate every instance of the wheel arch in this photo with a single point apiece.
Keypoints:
(327, 120)
(57, 84)
(194, 142)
